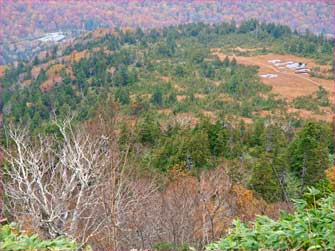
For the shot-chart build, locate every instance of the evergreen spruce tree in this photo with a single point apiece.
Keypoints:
(308, 154)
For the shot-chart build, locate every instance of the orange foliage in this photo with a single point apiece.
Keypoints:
(32, 18)
(248, 205)
(26, 83)
(54, 76)
(178, 172)
(75, 56)
(208, 204)
(101, 32)
(2, 70)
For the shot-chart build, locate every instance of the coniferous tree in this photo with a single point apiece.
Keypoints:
(226, 61)
(263, 179)
(157, 97)
(308, 154)
(122, 95)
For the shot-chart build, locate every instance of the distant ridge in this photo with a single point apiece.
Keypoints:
(31, 19)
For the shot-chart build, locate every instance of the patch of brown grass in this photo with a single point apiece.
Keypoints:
(200, 95)
(288, 84)
(326, 116)
(227, 98)
(209, 114)
(216, 83)
(186, 118)
(179, 88)
(180, 97)
(166, 111)
(165, 78)
(246, 49)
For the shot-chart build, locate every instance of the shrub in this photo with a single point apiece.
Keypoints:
(12, 239)
(306, 102)
(311, 227)
(170, 246)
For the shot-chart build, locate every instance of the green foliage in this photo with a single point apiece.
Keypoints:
(270, 176)
(122, 95)
(226, 61)
(169, 246)
(257, 137)
(248, 26)
(171, 71)
(11, 239)
(217, 137)
(309, 228)
(157, 97)
(180, 71)
(312, 103)
(244, 83)
(322, 96)
(264, 178)
(306, 102)
(184, 145)
(182, 53)
(148, 130)
(308, 154)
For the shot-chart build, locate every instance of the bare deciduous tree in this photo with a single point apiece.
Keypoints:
(216, 203)
(76, 183)
(54, 182)
(178, 210)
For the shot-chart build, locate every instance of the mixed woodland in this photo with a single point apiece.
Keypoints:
(24, 21)
(146, 139)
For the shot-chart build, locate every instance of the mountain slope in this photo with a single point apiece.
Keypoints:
(23, 22)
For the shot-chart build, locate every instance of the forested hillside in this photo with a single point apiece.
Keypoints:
(161, 138)
(24, 21)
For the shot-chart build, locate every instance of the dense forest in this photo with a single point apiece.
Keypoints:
(24, 21)
(147, 139)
